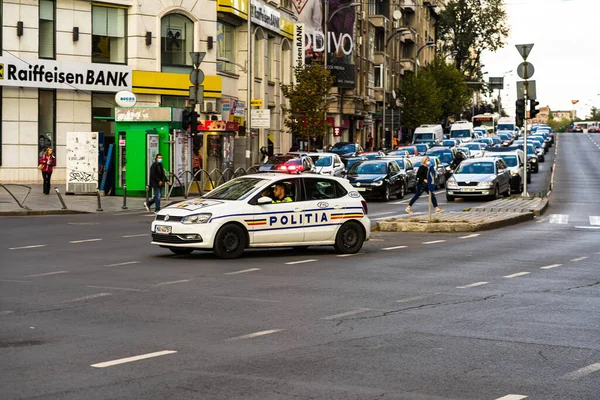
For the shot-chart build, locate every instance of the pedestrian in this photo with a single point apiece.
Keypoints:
(370, 143)
(47, 164)
(157, 181)
(425, 183)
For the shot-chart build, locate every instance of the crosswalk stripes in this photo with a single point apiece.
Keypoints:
(562, 219)
(594, 220)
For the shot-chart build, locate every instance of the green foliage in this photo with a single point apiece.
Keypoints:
(594, 114)
(455, 95)
(469, 27)
(421, 98)
(555, 124)
(305, 115)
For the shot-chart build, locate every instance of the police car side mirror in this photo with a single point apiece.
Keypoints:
(265, 200)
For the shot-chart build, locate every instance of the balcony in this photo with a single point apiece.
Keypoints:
(409, 6)
(379, 58)
(379, 21)
(410, 36)
(407, 64)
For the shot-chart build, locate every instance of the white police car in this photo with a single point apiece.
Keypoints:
(319, 210)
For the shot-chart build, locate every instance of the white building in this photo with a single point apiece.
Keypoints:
(137, 45)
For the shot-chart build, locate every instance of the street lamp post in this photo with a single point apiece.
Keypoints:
(430, 43)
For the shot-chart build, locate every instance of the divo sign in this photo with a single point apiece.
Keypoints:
(49, 74)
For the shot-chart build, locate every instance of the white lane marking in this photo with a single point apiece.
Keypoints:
(33, 246)
(469, 236)
(349, 255)
(587, 227)
(137, 235)
(512, 397)
(394, 248)
(84, 241)
(516, 275)
(472, 285)
(551, 266)
(376, 240)
(247, 299)
(434, 242)
(132, 359)
(582, 372)
(90, 297)
(558, 219)
(594, 220)
(115, 288)
(14, 281)
(256, 334)
(346, 314)
(415, 298)
(242, 271)
(46, 274)
(6, 312)
(123, 263)
(578, 259)
(172, 282)
(300, 262)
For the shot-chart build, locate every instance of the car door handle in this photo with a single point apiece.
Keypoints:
(297, 210)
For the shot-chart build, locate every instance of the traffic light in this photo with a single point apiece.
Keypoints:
(189, 120)
(520, 112)
(532, 111)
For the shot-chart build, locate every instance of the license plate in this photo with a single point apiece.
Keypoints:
(469, 190)
(162, 229)
(361, 189)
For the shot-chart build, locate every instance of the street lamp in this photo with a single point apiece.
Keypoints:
(430, 43)
(228, 61)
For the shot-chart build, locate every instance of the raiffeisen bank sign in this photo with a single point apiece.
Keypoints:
(49, 74)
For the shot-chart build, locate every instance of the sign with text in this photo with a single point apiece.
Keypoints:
(143, 114)
(256, 102)
(261, 118)
(298, 46)
(265, 16)
(50, 74)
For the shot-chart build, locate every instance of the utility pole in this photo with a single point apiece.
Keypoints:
(525, 71)
(249, 89)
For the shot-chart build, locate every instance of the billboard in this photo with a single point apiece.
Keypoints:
(340, 36)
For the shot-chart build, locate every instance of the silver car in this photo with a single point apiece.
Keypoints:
(479, 177)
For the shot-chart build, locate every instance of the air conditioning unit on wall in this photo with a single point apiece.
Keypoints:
(209, 106)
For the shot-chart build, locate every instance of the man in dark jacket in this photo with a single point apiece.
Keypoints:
(157, 181)
(425, 183)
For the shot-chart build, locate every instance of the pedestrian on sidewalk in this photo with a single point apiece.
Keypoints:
(47, 164)
(425, 183)
(157, 181)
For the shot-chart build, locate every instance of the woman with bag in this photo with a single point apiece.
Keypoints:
(47, 164)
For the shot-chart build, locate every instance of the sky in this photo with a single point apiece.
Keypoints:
(565, 55)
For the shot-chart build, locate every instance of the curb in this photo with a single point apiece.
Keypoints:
(450, 227)
(28, 213)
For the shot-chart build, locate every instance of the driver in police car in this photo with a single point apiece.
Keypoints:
(279, 194)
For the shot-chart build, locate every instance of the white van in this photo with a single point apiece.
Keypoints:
(428, 134)
(462, 130)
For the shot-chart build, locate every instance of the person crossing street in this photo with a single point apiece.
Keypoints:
(425, 183)
(157, 181)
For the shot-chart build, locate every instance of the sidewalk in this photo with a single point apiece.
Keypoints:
(492, 215)
(41, 204)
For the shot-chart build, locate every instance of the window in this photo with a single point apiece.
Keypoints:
(46, 120)
(286, 63)
(272, 58)
(258, 55)
(177, 39)
(378, 76)
(226, 46)
(320, 189)
(46, 30)
(108, 35)
(173, 101)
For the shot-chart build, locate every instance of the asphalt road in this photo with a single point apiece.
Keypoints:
(507, 314)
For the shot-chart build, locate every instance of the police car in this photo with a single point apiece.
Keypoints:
(251, 211)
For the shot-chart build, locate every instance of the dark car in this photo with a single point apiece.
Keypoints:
(485, 140)
(422, 148)
(532, 159)
(371, 155)
(346, 149)
(447, 156)
(409, 172)
(440, 170)
(291, 164)
(505, 138)
(411, 150)
(377, 179)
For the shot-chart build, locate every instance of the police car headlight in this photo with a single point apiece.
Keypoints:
(196, 219)
(379, 183)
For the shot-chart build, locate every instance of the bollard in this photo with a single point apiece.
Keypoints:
(429, 211)
(124, 207)
(64, 206)
(147, 191)
(99, 201)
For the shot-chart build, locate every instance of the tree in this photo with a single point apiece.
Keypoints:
(454, 93)
(469, 27)
(421, 99)
(594, 114)
(305, 115)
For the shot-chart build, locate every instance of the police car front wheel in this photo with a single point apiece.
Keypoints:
(350, 238)
(230, 242)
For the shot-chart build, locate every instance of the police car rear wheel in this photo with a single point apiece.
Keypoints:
(230, 242)
(181, 251)
(350, 238)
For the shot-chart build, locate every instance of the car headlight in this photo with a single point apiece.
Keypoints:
(196, 219)
(448, 169)
(378, 183)
(514, 173)
(485, 184)
(533, 160)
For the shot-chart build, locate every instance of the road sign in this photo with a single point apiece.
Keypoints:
(524, 50)
(525, 70)
(196, 97)
(261, 118)
(531, 90)
(496, 82)
(256, 103)
(196, 77)
(197, 57)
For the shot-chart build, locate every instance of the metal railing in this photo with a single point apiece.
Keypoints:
(205, 181)
(22, 202)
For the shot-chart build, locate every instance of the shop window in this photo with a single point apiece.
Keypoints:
(177, 40)
(108, 35)
(173, 101)
(46, 120)
(47, 30)
(226, 46)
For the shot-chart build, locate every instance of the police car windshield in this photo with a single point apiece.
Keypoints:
(237, 189)
(368, 169)
(322, 161)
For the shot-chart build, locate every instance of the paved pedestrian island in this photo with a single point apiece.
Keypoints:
(536, 205)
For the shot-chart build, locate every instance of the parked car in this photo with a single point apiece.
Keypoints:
(409, 172)
(379, 179)
(481, 177)
(293, 164)
(325, 163)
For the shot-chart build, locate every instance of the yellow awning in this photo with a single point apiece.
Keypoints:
(168, 83)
